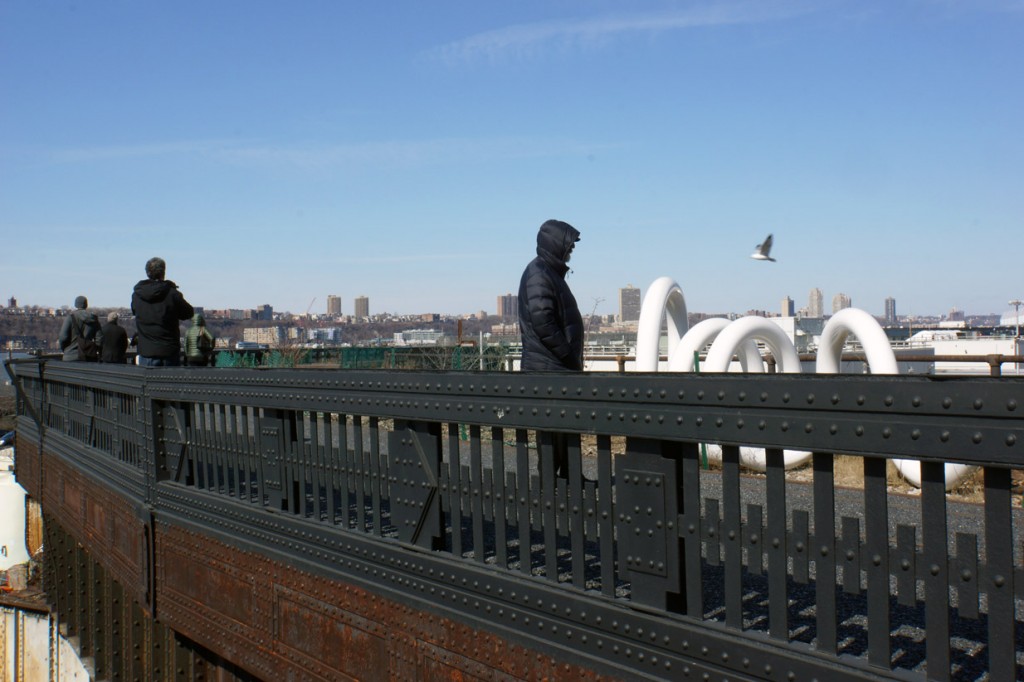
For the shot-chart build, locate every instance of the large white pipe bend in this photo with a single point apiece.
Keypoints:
(872, 339)
(724, 347)
(663, 297)
(881, 360)
(703, 333)
(720, 357)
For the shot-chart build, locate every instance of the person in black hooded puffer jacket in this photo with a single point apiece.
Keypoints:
(158, 306)
(549, 319)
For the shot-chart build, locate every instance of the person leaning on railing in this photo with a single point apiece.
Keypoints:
(80, 335)
(158, 307)
(198, 343)
(115, 341)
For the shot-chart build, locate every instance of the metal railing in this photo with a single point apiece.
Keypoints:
(635, 555)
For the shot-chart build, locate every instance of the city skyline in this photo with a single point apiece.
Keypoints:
(412, 151)
(505, 308)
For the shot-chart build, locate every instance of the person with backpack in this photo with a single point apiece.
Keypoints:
(80, 336)
(198, 343)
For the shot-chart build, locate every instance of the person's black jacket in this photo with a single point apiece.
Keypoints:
(115, 343)
(158, 306)
(549, 319)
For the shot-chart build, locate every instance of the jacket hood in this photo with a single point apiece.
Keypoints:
(153, 290)
(198, 319)
(555, 241)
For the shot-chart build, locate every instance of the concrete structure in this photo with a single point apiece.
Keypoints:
(32, 649)
(840, 302)
(418, 337)
(629, 304)
(362, 307)
(890, 311)
(324, 335)
(269, 336)
(12, 511)
(507, 306)
(787, 307)
(815, 304)
(333, 305)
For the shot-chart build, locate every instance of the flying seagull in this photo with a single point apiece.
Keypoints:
(762, 250)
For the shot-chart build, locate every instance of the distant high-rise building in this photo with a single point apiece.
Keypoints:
(12, 302)
(508, 306)
(787, 307)
(629, 304)
(815, 304)
(362, 304)
(840, 301)
(265, 312)
(333, 305)
(890, 310)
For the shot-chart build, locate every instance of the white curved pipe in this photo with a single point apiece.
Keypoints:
(747, 329)
(872, 339)
(881, 360)
(703, 333)
(663, 297)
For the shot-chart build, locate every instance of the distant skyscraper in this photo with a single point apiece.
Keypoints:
(508, 306)
(333, 304)
(815, 304)
(787, 307)
(840, 301)
(890, 310)
(266, 312)
(362, 304)
(629, 304)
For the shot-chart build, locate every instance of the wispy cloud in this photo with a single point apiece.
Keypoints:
(525, 40)
(381, 154)
(999, 6)
(410, 153)
(411, 258)
(129, 151)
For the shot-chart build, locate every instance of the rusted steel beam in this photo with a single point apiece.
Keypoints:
(279, 622)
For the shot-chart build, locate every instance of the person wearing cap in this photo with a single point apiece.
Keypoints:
(79, 324)
(549, 319)
(115, 341)
(158, 307)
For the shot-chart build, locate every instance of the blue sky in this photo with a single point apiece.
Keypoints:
(275, 152)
